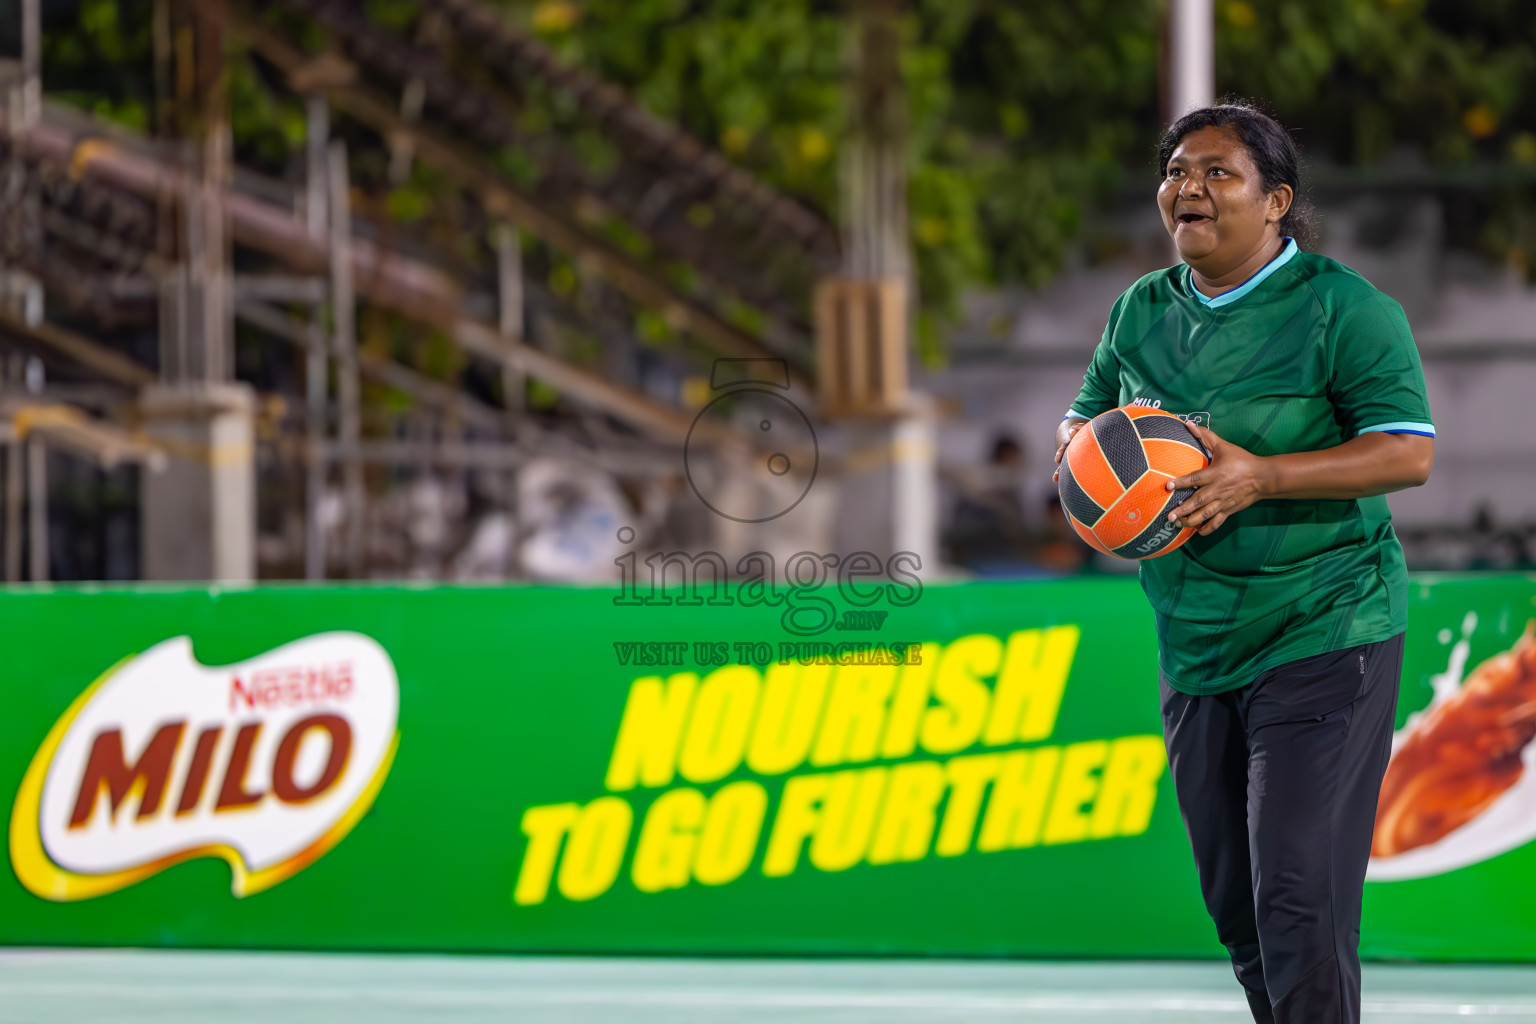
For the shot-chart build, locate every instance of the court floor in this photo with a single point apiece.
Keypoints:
(140, 986)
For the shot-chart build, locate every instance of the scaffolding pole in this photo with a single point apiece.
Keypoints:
(23, 293)
(31, 63)
(446, 398)
(514, 383)
(344, 341)
(315, 192)
(389, 278)
(13, 496)
(37, 510)
(509, 302)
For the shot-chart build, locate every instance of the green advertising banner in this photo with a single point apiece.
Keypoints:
(873, 767)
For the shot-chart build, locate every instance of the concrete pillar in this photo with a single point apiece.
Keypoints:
(889, 485)
(885, 448)
(199, 512)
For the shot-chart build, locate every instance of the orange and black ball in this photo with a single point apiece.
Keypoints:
(1114, 478)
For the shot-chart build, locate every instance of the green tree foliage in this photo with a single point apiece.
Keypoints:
(1451, 83)
(1008, 140)
(96, 55)
(1025, 117)
(1360, 79)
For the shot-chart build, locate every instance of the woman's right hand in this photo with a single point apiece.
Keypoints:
(1064, 434)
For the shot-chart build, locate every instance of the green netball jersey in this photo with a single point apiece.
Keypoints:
(1303, 356)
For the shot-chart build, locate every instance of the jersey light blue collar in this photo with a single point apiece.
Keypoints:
(1227, 298)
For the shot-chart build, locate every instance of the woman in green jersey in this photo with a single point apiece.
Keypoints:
(1280, 623)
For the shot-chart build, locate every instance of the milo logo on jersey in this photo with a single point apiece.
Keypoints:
(1199, 419)
(266, 764)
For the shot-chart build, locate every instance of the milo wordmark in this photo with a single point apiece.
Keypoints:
(266, 764)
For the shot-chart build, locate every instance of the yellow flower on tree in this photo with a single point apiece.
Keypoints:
(735, 140)
(814, 145)
(555, 16)
(1241, 14)
(932, 231)
(1480, 121)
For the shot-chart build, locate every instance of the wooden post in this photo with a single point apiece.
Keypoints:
(861, 336)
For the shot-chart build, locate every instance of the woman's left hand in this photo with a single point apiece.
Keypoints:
(1234, 480)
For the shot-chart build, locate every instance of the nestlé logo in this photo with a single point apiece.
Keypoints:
(266, 764)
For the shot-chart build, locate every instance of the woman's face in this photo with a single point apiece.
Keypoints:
(1213, 202)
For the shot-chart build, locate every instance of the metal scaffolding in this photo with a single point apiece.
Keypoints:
(124, 230)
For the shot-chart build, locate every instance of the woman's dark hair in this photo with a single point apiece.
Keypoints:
(1273, 151)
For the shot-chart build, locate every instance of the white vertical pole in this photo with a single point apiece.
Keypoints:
(912, 486)
(1191, 56)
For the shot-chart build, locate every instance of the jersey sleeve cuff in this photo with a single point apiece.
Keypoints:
(1400, 427)
(1073, 412)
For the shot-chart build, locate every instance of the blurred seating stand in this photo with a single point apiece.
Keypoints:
(86, 236)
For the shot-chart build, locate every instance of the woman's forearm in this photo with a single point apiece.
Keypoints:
(1373, 463)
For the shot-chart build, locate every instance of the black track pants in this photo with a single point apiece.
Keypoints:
(1277, 782)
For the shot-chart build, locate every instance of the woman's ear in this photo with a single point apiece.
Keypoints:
(1279, 204)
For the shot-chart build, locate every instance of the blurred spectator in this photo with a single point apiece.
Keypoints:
(1495, 547)
(489, 538)
(674, 518)
(989, 530)
(571, 515)
(1060, 549)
